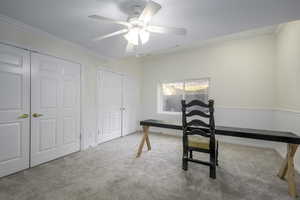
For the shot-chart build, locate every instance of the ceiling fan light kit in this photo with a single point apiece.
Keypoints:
(137, 28)
(135, 34)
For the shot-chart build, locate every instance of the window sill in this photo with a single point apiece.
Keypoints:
(169, 113)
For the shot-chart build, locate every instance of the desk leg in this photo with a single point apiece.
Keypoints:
(287, 170)
(144, 139)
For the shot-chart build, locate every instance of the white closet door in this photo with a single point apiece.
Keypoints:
(55, 108)
(131, 93)
(14, 110)
(110, 106)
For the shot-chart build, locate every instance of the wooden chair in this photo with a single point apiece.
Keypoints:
(198, 135)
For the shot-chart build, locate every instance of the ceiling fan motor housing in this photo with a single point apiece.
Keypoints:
(137, 10)
(136, 23)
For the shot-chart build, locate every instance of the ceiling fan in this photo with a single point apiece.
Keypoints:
(137, 28)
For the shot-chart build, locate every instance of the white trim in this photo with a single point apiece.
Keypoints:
(269, 30)
(97, 106)
(185, 79)
(246, 108)
(287, 110)
(259, 108)
(37, 51)
(107, 69)
(233, 108)
(225, 107)
(169, 113)
(82, 86)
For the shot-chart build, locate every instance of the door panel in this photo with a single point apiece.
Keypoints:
(131, 104)
(12, 133)
(49, 90)
(13, 94)
(47, 134)
(55, 98)
(110, 104)
(69, 131)
(69, 94)
(14, 102)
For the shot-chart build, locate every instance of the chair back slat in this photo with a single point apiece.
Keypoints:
(189, 125)
(197, 112)
(197, 103)
(197, 122)
(198, 132)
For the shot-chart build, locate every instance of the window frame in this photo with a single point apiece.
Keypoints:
(160, 99)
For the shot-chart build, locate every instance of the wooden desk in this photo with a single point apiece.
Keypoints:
(287, 170)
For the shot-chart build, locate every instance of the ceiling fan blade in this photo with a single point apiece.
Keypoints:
(120, 32)
(150, 9)
(167, 30)
(107, 20)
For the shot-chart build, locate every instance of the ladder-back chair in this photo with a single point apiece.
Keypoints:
(199, 135)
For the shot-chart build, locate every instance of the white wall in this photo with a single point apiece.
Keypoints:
(287, 117)
(241, 73)
(288, 66)
(16, 33)
(255, 81)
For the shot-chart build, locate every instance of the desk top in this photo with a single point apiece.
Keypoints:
(269, 135)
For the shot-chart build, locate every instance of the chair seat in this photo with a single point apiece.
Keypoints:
(198, 142)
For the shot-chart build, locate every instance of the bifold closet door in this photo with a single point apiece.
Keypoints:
(55, 108)
(131, 104)
(14, 109)
(110, 105)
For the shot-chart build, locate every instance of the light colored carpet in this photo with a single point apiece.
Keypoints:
(111, 172)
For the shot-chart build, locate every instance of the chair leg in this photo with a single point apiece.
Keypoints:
(212, 158)
(185, 154)
(191, 154)
(212, 172)
(185, 160)
(217, 154)
(184, 164)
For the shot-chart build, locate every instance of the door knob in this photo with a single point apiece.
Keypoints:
(35, 115)
(24, 116)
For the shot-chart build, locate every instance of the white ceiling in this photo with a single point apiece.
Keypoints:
(204, 19)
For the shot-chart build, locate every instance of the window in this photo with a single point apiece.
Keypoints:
(171, 94)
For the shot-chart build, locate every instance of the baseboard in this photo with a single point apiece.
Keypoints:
(233, 140)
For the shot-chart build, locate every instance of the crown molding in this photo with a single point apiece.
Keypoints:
(246, 34)
(31, 29)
